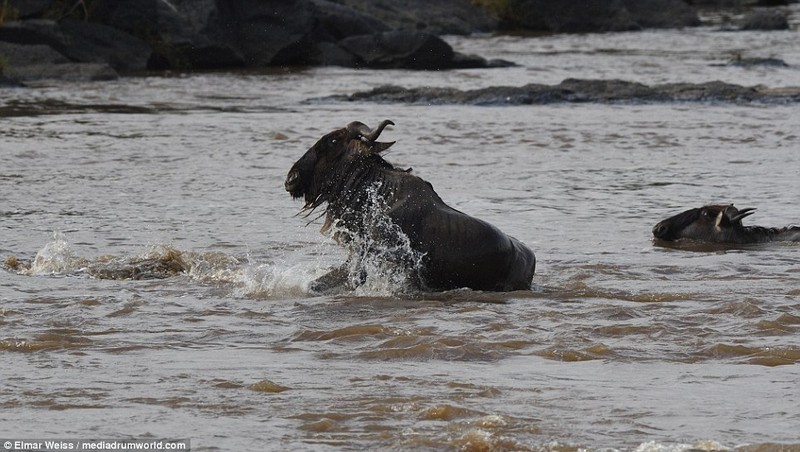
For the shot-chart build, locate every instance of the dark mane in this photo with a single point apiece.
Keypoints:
(763, 231)
(345, 180)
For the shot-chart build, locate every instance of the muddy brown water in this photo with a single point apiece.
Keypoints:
(620, 344)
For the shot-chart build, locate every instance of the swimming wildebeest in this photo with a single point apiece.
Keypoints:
(345, 169)
(720, 224)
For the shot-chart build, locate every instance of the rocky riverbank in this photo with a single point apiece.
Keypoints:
(103, 39)
(575, 90)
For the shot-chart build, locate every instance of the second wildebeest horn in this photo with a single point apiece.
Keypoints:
(359, 129)
(743, 213)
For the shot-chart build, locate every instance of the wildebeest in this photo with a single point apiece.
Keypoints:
(367, 197)
(720, 224)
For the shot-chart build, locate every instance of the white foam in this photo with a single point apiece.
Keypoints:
(55, 257)
(652, 446)
(274, 281)
(389, 268)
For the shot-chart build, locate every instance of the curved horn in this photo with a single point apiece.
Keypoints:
(375, 133)
(743, 213)
(358, 129)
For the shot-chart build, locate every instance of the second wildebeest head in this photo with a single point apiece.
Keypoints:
(314, 177)
(713, 223)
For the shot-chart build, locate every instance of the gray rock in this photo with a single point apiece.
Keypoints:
(576, 90)
(29, 8)
(410, 50)
(587, 16)
(31, 62)
(8, 82)
(435, 17)
(330, 54)
(755, 61)
(765, 20)
(398, 49)
(63, 71)
(81, 42)
(209, 34)
(273, 32)
(335, 22)
(662, 13)
(27, 54)
(96, 43)
(571, 16)
(35, 31)
(184, 34)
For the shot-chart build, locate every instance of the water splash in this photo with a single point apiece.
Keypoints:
(382, 261)
(56, 257)
(274, 281)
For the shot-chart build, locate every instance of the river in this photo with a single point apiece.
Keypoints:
(620, 344)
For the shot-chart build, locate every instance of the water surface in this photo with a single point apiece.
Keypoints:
(620, 344)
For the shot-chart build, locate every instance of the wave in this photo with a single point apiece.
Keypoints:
(240, 275)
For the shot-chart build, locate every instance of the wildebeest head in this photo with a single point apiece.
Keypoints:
(713, 223)
(310, 177)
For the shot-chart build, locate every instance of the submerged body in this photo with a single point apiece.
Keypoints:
(362, 190)
(720, 224)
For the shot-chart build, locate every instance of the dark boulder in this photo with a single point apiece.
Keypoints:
(332, 54)
(410, 50)
(588, 16)
(272, 32)
(25, 9)
(96, 43)
(32, 32)
(737, 3)
(719, 3)
(133, 35)
(16, 55)
(570, 16)
(7, 82)
(81, 42)
(31, 62)
(662, 13)
(335, 22)
(184, 35)
(398, 49)
(577, 90)
(71, 72)
(740, 61)
(435, 17)
(208, 34)
(765, 20)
